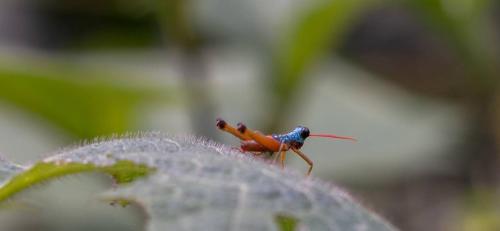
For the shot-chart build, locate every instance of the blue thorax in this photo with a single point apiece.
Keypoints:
(292, 137)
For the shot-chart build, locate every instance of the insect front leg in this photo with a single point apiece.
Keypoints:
(283, 157)
(305, 158)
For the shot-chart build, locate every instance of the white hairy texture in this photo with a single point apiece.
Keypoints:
(201, 185)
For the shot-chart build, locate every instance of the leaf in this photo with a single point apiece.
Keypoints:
(200, 185)
(84, 106)
(466, 24)
(319, 28)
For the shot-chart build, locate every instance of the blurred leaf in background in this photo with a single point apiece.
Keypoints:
(319, 29)
(468, 26)
(482, 210)
(84, 106)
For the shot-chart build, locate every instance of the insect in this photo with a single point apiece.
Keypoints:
(258, 143)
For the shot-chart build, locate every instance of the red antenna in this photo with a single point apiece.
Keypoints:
(333, 136)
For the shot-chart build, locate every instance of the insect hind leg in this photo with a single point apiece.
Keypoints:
(224, 126)
(270, 143)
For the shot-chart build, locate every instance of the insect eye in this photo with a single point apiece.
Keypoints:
(304, 133)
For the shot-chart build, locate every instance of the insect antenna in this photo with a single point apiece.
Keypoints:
(333, 136)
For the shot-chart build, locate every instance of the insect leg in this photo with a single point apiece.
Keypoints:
(305, 158)
(222, 125)
(278, 154)
(266, 141)
(283, 157)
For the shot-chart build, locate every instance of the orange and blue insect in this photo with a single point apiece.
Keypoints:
(257, 143)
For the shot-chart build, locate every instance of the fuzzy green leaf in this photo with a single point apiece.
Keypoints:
(199, 185)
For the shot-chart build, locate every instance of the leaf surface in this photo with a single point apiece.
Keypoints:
(201, 185)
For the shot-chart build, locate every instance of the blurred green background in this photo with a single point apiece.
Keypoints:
(415, 81)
